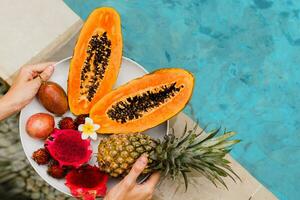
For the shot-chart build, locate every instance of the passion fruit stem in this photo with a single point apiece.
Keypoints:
(41, 78)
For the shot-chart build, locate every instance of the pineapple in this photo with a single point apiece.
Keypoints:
(117, 153)
(173, 156)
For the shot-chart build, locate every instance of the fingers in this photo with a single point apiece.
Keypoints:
(153, 180)
(147, 188)
(39, 67)
(31, 71)
(136, 170)
(44, 76)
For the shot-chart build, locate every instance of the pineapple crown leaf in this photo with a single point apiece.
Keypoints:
(202, 153)
(184, 130)
(185, 179)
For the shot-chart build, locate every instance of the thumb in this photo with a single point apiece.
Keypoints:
(137, 169)
(44, 76)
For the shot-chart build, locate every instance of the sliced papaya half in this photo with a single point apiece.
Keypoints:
(96, 60)
(144, 102)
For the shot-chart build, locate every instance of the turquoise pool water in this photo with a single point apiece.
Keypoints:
(246, 57)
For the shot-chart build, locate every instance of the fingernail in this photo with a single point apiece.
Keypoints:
(51, 67)
(145, 155)
(143, 159)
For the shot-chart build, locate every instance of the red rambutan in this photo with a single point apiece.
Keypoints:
(56, 171)
(80, 119)
(67, 123)
(41, 156)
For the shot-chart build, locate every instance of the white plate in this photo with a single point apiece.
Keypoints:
(129, 70)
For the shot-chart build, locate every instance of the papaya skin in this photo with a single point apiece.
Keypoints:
(53, 97)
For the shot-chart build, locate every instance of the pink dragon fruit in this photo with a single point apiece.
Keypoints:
(87, 182)
(67, 147)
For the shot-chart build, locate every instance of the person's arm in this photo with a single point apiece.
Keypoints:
(128, 189)
(25, 87)
(7, 108)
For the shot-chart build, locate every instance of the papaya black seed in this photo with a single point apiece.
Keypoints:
(98, 52)
(133, 107)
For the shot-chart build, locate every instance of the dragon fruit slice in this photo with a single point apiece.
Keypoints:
(87, 182)
(67, 147)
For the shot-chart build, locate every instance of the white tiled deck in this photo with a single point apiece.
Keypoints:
(31, 30)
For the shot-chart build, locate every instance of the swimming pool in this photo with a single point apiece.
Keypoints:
(245, 55)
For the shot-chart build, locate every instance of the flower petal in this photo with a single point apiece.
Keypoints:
(94, 136)
(88, 120)
(96, 127)
(84, 136)
(80, 127)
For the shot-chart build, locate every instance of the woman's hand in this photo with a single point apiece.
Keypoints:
(25, 87)
(128, 189)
